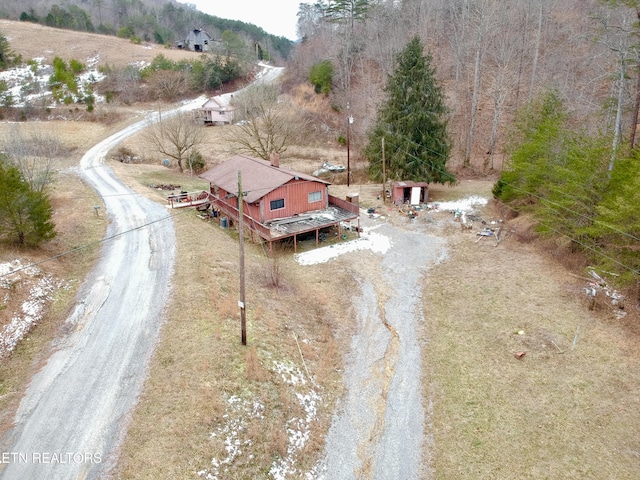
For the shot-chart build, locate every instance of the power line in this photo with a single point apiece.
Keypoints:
(591, 219)
(588, 247)
(544, 200)
(97, 242)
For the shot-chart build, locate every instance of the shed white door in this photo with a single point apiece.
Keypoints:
(415, 195)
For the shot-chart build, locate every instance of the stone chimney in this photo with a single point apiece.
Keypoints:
(274, 158)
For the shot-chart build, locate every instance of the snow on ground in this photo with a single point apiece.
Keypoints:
(298, 429)
(464, 205)
(241, 411)
(29, 83)
(378, 243)
(235, 423)
(41, 288)
(369, 240)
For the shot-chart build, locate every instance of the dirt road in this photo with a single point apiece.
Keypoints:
(380, 430)
(74, 412)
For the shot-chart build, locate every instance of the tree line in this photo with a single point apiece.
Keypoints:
(535, 92)
(151, 21)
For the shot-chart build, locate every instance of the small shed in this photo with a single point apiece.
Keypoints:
(216, 111)
(413, 193)
(197, 41)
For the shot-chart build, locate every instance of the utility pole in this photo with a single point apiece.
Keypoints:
(349, 122)
(243, 318)
(384, 176)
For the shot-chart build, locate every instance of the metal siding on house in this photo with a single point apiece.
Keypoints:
(253, 210)
(296, 199)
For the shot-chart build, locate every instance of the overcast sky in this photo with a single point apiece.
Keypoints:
(277, 18)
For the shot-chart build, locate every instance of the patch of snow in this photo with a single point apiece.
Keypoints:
(93, 61)
(30, 83)
(235, 423)
(26, 83)
(31, 311)
(463, 205)
(369, 240)
(140, 64)
(298, 429)
(240, 411)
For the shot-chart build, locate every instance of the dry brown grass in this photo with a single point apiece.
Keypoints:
(200, 362)
(547, 415)
(26, 39)
(494, 416)
(560, 411)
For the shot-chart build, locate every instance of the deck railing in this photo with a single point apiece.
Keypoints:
(234, 214)
(261, 229)
(338, 202)
(188, 199)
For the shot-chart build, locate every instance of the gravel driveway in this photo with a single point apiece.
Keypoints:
(380, 430)
(74, 412)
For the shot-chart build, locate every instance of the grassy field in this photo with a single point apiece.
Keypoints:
(25, 39)
(201, 367)
(76, 225)
(559, 412)
(566, 409)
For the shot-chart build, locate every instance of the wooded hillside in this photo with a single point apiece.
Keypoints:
(492, 57)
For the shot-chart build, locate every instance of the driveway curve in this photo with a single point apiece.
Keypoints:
(74, 412)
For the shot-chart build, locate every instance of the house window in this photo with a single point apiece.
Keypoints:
(277, 204)
(315, 196)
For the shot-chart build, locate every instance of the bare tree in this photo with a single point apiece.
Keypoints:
(501, 53)
(34, 153)
(617, 34)
(266, 125)
(169, 84)
(175, 136)
(481, 21)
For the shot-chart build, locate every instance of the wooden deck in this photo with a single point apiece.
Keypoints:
(338, 212)
(188, 199)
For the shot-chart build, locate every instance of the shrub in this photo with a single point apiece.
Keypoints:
(321, 76)
(25, 214)
(195, 161)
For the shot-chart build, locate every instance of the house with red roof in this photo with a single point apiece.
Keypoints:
(278, 202)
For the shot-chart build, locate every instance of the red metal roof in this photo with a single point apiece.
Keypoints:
(259, 177)
(409, 183)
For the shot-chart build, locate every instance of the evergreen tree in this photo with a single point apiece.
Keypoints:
(616, 227)
(321, 76)
(549, 159)
(25, 215)
(345, 11)
(536, 139)
(7, 57)
(412, 122)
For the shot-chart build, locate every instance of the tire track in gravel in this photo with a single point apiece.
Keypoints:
(379, 430)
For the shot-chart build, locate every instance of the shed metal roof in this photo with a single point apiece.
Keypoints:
(409, 183)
